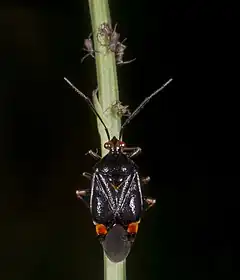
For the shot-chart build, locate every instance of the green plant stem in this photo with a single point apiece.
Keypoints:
(106, 70)
(107, 95)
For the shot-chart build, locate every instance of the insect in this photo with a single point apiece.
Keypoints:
(116, 198)
(113, 44)
(88, 47)
(106, 30)
(119, 109)
(120, 48)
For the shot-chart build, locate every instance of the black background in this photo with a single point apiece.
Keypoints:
(189, 137)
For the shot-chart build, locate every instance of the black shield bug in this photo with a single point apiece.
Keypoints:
(115, 198)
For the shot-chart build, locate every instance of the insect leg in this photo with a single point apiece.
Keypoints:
(82, 193)
(146, 180)
(135, 151)
(115, 27)
(149, 202)
(90, 53)
(87, 175)
(84, 196)
(125, 62)
(85, 56)
(93, 154)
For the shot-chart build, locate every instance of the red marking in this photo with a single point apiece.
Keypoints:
(122, 144)
(101, 229)
(132, 228)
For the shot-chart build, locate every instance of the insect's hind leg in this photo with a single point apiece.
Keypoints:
(134, 151)
(93, 154)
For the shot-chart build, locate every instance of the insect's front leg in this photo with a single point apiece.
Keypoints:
(134, 151)
(93, 154)
(87, 175)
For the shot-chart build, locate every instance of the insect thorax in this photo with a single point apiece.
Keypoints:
(115, 163)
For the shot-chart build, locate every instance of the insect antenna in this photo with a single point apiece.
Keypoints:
(140, 107)
(89, 102)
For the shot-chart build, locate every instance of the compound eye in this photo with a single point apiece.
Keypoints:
(122, 144)
(108, 145)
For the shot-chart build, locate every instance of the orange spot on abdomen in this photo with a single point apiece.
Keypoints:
(132, 228)
(101, 229)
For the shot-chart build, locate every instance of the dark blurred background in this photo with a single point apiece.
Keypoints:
(189, 135)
